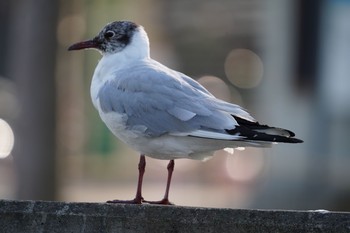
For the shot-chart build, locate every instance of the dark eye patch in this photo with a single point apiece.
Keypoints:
(124, 39)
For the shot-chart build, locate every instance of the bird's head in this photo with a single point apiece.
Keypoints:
(115, 37)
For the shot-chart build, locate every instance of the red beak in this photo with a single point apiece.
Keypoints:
(89, 44)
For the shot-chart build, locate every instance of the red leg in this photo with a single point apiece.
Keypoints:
(138, 199)
(165, 200)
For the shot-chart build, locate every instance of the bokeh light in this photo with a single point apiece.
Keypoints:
(7, 139)
(245, 165)
(244, 68)
(216, 86)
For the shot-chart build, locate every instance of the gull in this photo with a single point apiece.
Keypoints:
(160, 112)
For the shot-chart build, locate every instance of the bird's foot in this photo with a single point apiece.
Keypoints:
(136, 200)
(164, 201)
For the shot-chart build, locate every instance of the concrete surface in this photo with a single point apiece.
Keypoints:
(41, 216)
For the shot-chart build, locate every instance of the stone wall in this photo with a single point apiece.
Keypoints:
(39, 216)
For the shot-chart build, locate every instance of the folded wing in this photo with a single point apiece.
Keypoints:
(162, 101)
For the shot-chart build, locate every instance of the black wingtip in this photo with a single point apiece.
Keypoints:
(252, 135)
(256, 132)
(295, 140)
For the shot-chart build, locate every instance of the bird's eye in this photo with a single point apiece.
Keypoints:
(109, 34)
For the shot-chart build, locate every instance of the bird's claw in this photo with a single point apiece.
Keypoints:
(164, 201)
(139, 201)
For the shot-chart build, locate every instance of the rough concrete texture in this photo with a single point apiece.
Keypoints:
(40, 216)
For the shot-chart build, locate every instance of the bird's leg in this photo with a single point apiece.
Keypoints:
(138, 198)
(165, 200)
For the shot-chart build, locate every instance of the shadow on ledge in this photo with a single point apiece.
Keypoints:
(40, 216)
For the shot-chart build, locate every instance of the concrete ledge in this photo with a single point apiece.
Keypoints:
(40, 216)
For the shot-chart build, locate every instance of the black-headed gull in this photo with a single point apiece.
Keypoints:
(163, 113)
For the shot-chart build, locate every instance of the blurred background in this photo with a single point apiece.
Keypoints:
(287, 62)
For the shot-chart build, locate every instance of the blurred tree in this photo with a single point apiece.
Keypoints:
(31, 64)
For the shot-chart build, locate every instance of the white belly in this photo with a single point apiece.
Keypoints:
(164, 147)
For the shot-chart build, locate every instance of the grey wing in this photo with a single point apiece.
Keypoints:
(158, 102)
(233, 109)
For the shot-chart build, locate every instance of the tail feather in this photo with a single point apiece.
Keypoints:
(254, 131)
